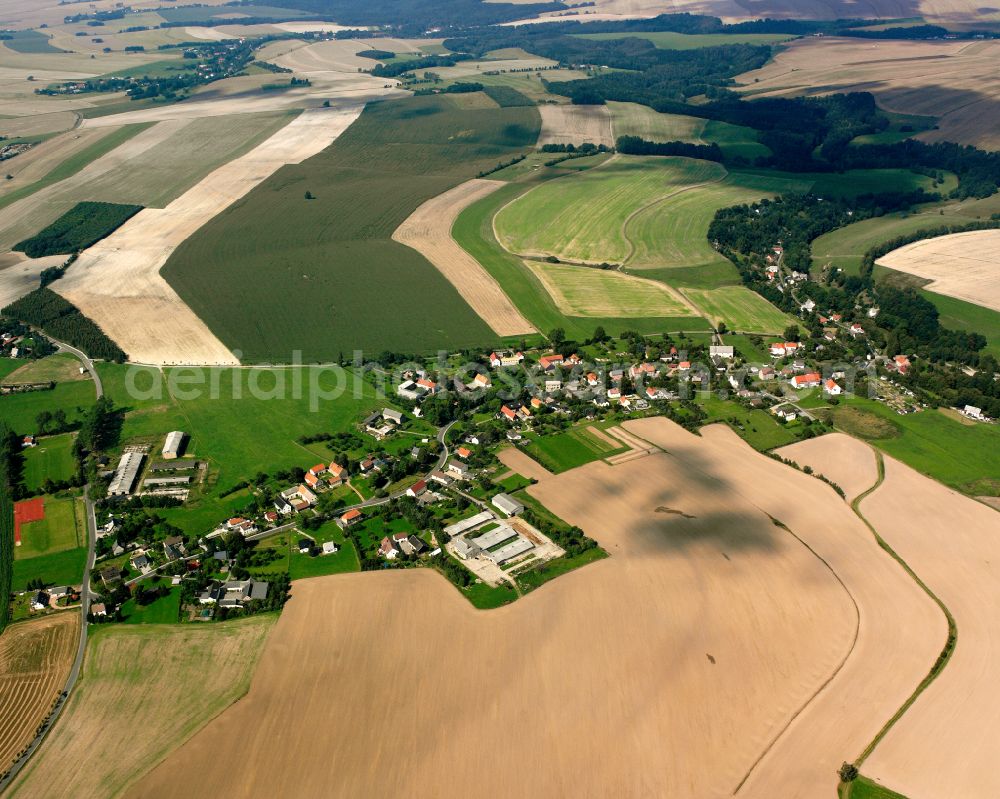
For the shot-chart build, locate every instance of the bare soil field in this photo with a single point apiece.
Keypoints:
(144, 690)
(945, 743)
(953, 80)
(35, 659)
(575, 124)
(901, 630)
(117, 282)
(428, 231)
(524, 465)
(663, 670)
(848, 462)
(963, 265)
(705, 606)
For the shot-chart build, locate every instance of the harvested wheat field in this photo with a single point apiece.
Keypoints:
(19, 275)
(901, 630)
(524, 465)
(953, 80)
(143, 691)
(41, 159)
(428, 231)
(945, 744)
(575, 124)
(962, 265)
(117, 282)
(35, 659)
(848, 462)
(665, 670)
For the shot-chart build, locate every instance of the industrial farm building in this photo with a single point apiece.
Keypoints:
(174, 445)
(126, 474)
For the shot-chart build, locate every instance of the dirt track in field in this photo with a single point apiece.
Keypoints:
(668, 669)
(35, 659)
(428, 231)
(945, 744)
(848, 462)
(117, 282)
(953, 80)
(575, 124)
(962, 265)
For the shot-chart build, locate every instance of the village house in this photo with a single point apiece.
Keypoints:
(552, 386)
(830, 387)
(459, 469)
(480, 381)
(349, 518)
(786, 412)
(505, 358)
(142, 563)
(463, 452)
(550, 362)
(809, 380)
(901, 363)
(779, 349)
(417, 489)
(40, 601)
(388, 549)
(725, 352)
(974, 413)
(507, 504)
(856, 330)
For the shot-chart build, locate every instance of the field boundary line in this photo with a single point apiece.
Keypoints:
(631, 217)
(951, 642)
(502, 208)
(840, 666)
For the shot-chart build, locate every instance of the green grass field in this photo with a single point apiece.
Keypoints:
(668, 40)
(29, 41)
(58, 568)
(567, 450)
(960, 315)
(740, 308)
(965, 457)
(674, 232)
(237, 433)
(758, 428)
(60, 530)
(632, 119)
(20, 410)
(864, 788)
(52, 458)
(584, 217)
(324, 273)
(587, 291)
(473, 230)
(164, 610)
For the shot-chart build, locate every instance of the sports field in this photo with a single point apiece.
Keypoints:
(740, 308)
(58, 530)
(589, 291)
(144, 690)
(328, 263)
(35, 658)
(584, 217)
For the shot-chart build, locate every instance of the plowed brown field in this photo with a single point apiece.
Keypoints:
(712, 643)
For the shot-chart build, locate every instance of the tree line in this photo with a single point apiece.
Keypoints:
(63, 321)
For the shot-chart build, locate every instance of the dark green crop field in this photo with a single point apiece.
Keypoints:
(306, 260)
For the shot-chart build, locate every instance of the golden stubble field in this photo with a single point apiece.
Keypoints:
(962, 265)
(713, 644)
(144, 689)
(575, 124)
(35, 659)
(952, 80)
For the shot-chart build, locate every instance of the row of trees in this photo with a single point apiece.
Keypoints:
(9, 486)
(61, 319)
